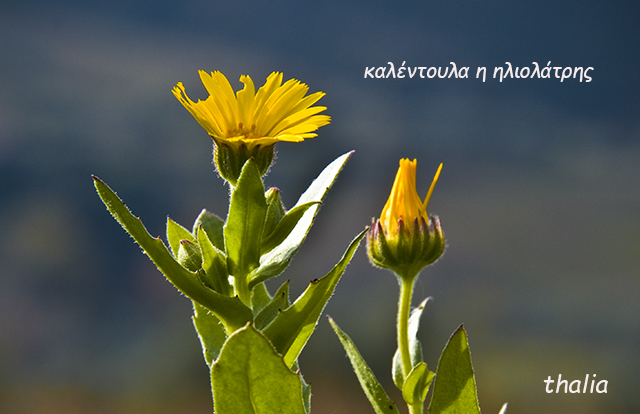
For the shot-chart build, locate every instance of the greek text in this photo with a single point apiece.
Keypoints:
(501, 73)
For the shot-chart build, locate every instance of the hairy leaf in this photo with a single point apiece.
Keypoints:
(414, 390)
(210, 331)
(251, 378)
(243, 229)
(377, 396)
(175, 233)
(231, 311)
(273, 262)
(454, 390)
(285, 226)
(291, 329)
(278, 303)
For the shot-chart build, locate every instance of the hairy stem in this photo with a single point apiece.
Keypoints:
(404, 310)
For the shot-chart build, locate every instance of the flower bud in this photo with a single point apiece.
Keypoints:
(405, 239)
(189, 255)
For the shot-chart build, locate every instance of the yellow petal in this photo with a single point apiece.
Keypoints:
(433, 185)
(246, 101)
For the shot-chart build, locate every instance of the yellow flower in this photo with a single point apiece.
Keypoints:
(277, 112)
(404, 204)
(406, 239)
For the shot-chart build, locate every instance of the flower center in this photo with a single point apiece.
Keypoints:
(244, 131)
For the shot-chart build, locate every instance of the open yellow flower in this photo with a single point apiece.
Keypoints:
(405, 238)
(276, 112)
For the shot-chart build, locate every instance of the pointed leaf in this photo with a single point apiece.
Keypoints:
(231, 311)
(285, 226)
(417, 384)
(210, 331)
(454, 390)
(214, 263)
(213, 226)
(291, 330)
(251, 378)
(319, 187)
(243, 229)
(275, 261)
(175, 233)
(279, 303)
(378, 398)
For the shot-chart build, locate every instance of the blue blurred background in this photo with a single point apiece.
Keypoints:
(539, 195)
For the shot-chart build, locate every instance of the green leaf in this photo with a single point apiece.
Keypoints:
(415, 347)
(251, 378)
(243, 229)
(291, 330)
(319, 187)
(272, 264)
(306, 388)
(454, 390)
(275, 261)
(279, 303)
(377, 396)
(414, 390)
(231, 311)
(214, 263)
(306, 393)
(175, 233)
(275, 210)
(260, 298)
(213, 226)
(285, 226)
(210, 331)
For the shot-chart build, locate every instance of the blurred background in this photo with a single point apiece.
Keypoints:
(539, 195)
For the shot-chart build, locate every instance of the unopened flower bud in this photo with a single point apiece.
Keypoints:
(406, 239)
(189, 255)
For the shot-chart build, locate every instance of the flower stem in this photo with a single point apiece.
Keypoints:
(404, 309)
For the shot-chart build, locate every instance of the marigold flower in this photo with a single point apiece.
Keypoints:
(405, 238)
(277, 112)
(245, 122)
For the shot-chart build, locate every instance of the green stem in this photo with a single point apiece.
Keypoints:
(404, 309)
(242, 289)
